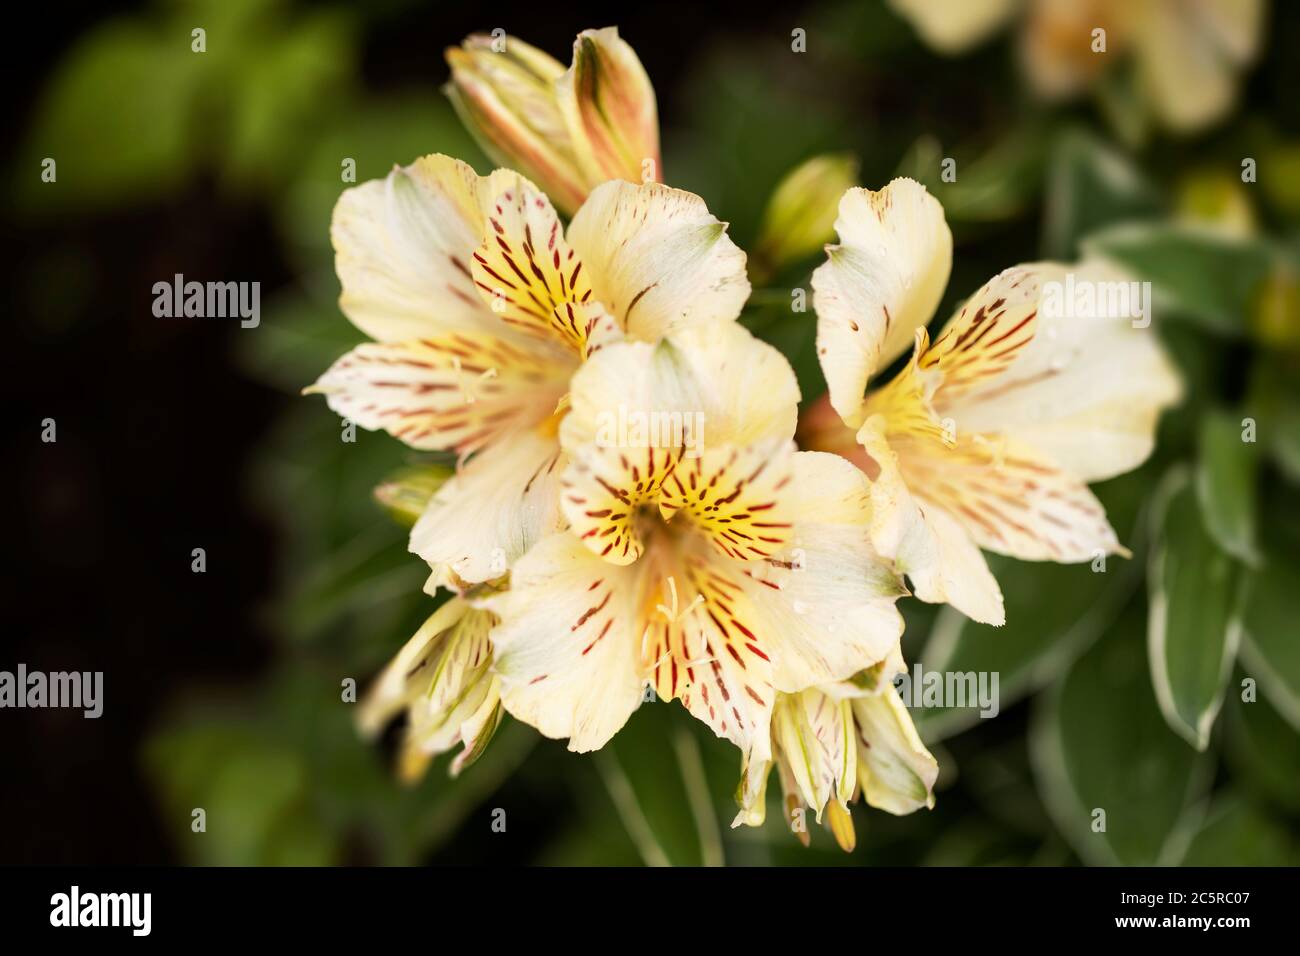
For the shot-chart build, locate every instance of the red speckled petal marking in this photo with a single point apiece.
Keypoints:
(529, 276)
(458, 391)
(734, 496)
(602, 491)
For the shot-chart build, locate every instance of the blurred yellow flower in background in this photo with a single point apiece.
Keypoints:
(1187, 54)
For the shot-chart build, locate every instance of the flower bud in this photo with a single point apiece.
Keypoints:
(566, 130)
(800, 216)
(442, 678)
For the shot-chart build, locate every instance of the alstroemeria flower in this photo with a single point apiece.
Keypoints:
(442, 679)
(720, 572)
(568, 130)
(989, 437)
(483, 308)
(833, 743)
(1187, 53)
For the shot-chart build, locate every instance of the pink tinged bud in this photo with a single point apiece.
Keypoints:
(566, 130)
(505, 96)
(609, 105)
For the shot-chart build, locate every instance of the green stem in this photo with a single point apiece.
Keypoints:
(697, 791)
(629, 810)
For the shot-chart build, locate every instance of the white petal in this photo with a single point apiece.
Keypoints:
(896, 772)
(738, 498)
(440, 678)
(658, 260)
(1085, 391)
(815, 733)
(700, 645)
(1010, 499)
(929, 546)
(403, 245)
(530, 277)
(1189, 56)
(502, 502)
(725, 387)
(880, 284)
(817, 610)
(825, 605)
(567, 645)
(953, 26)
(455, 390)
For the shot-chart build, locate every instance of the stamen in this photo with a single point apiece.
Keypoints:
(672, 614)
(467, 389)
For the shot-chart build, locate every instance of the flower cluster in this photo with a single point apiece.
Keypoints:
(1186, 57)
(718, 565)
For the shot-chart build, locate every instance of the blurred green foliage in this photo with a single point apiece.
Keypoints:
(277, 102)
(135, 110)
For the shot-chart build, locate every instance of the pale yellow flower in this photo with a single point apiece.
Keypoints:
(989, 436)
(568, 130)
(834, 743)
(483, 308)
(720, 573)
(1187, 54)
(442, 680)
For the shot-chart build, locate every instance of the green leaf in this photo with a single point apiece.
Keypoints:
(251, 789)
(116, 119)
(999, 777)
(1090, 185)
(595, 837)
(978, 842)
(1195, 273)
(133, 111)
(1099, 746)
(1263, 750)
(740, 140)
(1226, 477)
(1054, 611)
(1120, 100)
(1270, 650)
(286, 779)
(362, 579)
(992, 184)
(1237, 833)
(1194, 628)
(1274, 401)
(284, 81)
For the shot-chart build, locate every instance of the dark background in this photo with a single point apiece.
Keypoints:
(158, 425)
